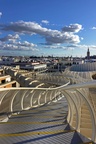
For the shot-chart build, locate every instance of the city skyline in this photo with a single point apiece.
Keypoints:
(42, 27)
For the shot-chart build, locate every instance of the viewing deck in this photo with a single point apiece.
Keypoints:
(51, 108)
(44, 124)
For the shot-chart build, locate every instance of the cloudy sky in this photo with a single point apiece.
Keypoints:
(47, 27)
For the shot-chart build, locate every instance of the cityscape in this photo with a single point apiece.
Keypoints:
(39, 63)
(47, 72)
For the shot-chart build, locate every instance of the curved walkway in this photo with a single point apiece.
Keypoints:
(80, 94)
(46, 124)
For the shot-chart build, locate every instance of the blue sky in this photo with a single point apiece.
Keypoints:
(47, 27)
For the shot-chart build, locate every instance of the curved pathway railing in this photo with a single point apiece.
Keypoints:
(14, 100)
(81, 99)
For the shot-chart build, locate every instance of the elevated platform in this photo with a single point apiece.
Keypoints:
(42, 125)
(41, 115)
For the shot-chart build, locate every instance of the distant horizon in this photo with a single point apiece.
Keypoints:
(17, 53)
(41, 27)
(46, 56)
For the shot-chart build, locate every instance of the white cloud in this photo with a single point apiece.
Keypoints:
(92, 47)
(10, 38)
(18, 46)
(72, 28)
(55, 47)
(25, 28)
(51, 36)
(45, 21)
(26, 44)
(82, 38)
(60, 47)
(0, 14)
(94, 28)
(71, 47)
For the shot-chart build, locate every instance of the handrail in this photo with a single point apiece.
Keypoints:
(30, 88)
(80, 96)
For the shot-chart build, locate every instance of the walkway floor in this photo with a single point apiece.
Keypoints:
(42, 125)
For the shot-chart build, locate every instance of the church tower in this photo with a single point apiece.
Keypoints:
(88, 54)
